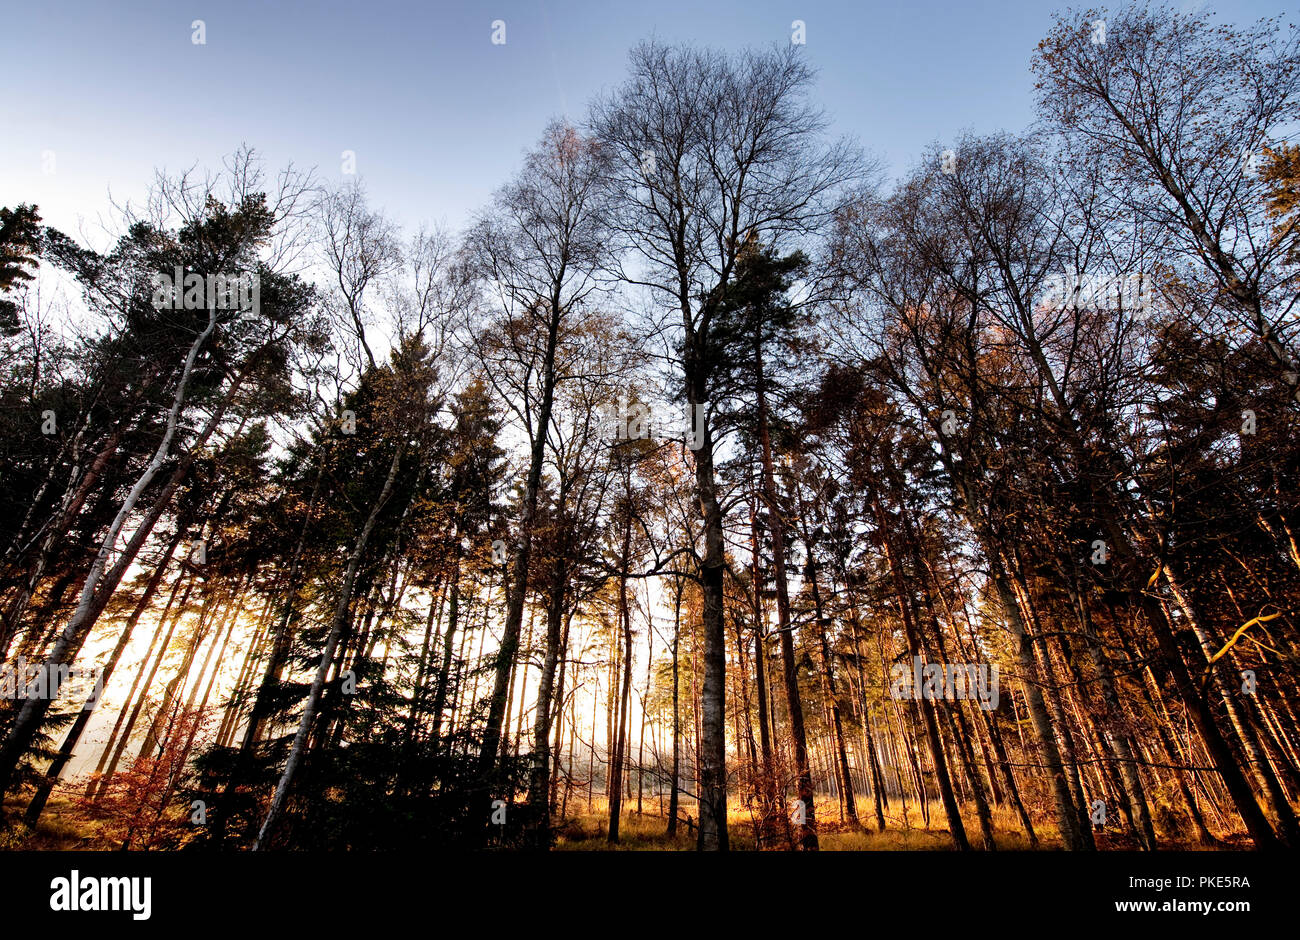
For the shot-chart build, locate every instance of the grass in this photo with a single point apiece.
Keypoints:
(587, 830)
(61, 829)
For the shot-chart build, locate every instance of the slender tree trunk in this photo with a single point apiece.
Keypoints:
(559, 720)
(832, 694)
(677, 720)
(337, 625)
(96, 788)
(172, 691)
(770, 803)
(444, 673)
(927, 705)
(807, 832)
(55, 770)
(94, 591)
(539, 781)
(616, 764)
(1066, 813)
(522, 552)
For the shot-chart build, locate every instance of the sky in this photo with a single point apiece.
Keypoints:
(102, 94)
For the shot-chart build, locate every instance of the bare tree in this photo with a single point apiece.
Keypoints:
(539, 252)
(707, 150)
(1177, 112)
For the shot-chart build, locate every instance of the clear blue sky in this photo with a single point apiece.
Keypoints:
(436, 113)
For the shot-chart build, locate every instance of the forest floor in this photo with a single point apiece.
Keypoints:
(64, 827)
(61, 829)
(587, 830)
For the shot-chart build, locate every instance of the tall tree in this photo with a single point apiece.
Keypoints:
(706, 149)
(540, 251)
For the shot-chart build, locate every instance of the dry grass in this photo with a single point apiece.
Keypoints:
(62, 828)
(587, 829)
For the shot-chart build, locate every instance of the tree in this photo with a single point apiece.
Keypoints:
(1179, 112)
(704, 151)
(221, 239)
(20, 233)
(401, 402)
(540, 250)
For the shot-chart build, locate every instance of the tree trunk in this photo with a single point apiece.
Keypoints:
(677, 722)
(55, 770)
(93, 592)
(807, 832)
(539, 776)
(519, 562)
(337, 625)
(616, 761)
(927, 706)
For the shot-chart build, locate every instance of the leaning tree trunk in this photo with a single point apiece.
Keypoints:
(90, 603)
(73, 500)
(122, 735)
(1067, 818)
(337, 625)
(279, 654)
(833, 697)
(927, 705)
(42, 795)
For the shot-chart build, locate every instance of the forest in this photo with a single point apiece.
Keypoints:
(712, 490)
